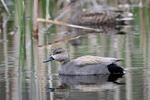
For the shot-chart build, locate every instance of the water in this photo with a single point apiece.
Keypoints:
(34, 80)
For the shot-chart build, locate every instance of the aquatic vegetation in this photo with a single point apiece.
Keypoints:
(24, 76)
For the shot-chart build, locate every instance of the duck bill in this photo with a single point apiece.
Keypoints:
(49, 59)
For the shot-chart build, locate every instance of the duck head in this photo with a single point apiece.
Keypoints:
(59, 54)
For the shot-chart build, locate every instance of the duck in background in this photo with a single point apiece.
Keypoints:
(97, 16)
(85, 65)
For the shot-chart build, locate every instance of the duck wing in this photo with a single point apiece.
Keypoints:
(103, 17)
(91, 60)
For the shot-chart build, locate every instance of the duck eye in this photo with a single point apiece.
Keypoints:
(57, 52)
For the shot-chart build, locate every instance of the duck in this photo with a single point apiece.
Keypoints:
(85, 65)
(99, 16)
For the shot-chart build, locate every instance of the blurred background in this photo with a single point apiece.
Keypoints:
(25, 43)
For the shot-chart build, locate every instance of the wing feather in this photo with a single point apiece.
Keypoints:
(90, 60)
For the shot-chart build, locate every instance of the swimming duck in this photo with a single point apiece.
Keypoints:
(85, 65)
(95, 16)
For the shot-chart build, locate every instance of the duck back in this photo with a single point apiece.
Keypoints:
(99, 18)
(71, 69)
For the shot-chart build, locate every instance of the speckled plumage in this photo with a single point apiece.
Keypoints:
(95, 16)
(102, 17)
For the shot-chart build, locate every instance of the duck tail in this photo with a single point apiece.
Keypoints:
(115, 69)
(120, 59)
(124, 21)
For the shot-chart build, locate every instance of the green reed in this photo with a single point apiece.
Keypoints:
(43, 8)
(21, 26)
(51, 8)
(31, 36)
(22, 48)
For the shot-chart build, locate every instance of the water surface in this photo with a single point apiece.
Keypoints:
(31, 79)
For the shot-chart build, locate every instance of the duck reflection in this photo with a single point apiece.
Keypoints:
(106, 29)
(87, 83)
(82, 37)
(82, 34)
(87, 80)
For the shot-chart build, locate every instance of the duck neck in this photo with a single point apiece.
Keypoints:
(65, 61)
(76, 11)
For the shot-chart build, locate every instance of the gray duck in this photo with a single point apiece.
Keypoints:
(85, 65)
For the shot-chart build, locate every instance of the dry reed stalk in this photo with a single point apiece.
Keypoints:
(5, 6)
(66, 24)
(47, 10)
(35, 16)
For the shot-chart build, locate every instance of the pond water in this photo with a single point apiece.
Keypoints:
(24, 76)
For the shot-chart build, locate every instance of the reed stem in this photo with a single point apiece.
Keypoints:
(5, 6)
(66, 24)
(35, 16)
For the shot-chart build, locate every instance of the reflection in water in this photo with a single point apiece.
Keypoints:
(36, 78)
(83, 84)
(82, 34)
(72, 81)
